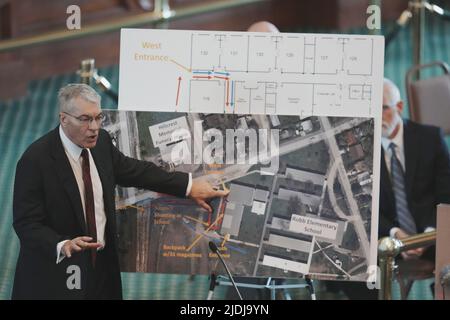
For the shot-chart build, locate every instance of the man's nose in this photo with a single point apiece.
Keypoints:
(94, 125)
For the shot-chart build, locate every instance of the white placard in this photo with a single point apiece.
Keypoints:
(169, 131)
(313, 227)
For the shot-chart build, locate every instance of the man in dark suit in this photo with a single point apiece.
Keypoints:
(411, 184)
(415, 174)
(64, 209)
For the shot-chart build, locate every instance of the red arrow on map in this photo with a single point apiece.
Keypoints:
(228, 91)
(178, 90)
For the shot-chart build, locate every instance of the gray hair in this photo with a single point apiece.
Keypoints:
(391, 92)
(70, 92)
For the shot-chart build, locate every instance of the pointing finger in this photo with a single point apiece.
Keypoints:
(221, 193)
(204, 205)
(67, 252)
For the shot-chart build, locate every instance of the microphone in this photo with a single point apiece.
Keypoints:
(444, 276)
(87, 70)
(400, 23)
(89, 74)
(215, 250)
(212, 285)
(310, 287)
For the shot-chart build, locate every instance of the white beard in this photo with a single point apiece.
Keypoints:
(387, 128)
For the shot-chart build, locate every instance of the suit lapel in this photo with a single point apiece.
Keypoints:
(411, 152)
(65, 173)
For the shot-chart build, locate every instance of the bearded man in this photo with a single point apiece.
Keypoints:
(415, 173)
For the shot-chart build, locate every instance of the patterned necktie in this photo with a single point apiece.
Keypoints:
(405, 219)
(89, 202)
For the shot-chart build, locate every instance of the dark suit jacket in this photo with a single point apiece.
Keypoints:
(47, 209)
(427, 178)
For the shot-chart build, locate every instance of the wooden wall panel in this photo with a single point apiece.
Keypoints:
(19, 18)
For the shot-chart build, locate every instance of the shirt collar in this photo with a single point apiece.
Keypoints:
(398, 139)
(72, 149)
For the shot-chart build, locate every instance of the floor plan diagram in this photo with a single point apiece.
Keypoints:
(239, 72)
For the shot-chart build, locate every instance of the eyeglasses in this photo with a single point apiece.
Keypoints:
(87, 120)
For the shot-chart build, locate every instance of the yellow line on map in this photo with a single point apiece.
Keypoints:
(180, 65)
(225, 239)
(131, 206)
(203, 234)
(224, 187)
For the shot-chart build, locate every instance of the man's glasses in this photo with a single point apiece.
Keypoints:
(87, 120)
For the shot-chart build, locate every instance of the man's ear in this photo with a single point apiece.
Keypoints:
(399, 107)
(62, 119)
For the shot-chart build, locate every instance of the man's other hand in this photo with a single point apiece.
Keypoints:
(409, 254)
(79, 244)
(202, 190)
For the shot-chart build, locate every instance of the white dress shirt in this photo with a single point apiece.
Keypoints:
(400, 153)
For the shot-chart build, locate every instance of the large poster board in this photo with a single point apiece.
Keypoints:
(310, 207)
